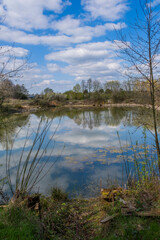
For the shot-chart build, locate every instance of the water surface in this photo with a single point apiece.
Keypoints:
(85, 148)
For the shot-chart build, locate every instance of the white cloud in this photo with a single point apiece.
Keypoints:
(21, 15)
(66, 25)
(77, 55)
(13, 51)
(84, 52)
(96, 60)
(102, 70)
(38, 78)
(49, 83)
(30, 14)
(17, 36)
(107, 9)
(44, 83)
(52, 67)
(75, 27)
(76, 35)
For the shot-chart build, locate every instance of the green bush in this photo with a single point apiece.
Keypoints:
(119, 97)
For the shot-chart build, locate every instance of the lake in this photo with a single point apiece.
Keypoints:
(85, 146)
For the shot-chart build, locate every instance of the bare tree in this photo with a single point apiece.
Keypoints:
(89, 85)
(96, 85)
(6, 89)
(11, 67)
(77, 88)
(112, 85)
(83, 85)
(142, 54)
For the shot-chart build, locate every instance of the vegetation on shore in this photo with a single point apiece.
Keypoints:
(88, 93)
(61, 218)
(94, 93)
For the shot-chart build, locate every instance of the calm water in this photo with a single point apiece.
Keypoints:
(84, 149)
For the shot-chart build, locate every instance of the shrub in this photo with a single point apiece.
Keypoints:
(58, 194)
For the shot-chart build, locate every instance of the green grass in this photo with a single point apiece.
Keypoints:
(132, 228)
(19, 224)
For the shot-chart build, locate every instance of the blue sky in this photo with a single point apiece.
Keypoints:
(66, 40)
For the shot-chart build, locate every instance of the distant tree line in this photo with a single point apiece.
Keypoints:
(10, 90)
(127, 91)
(136, 91)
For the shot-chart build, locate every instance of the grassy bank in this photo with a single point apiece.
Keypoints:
(17, 105)
(60, 218)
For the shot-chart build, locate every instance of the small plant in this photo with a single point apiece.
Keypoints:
(58, 194)
(67, 220)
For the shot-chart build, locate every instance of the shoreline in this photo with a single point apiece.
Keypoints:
(105, 105)
(26, 108)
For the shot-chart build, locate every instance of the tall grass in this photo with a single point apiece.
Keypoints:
(145, 161)
(30, 167)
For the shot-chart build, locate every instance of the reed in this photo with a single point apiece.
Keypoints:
(30, 169)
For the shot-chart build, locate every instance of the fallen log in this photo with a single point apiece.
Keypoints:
(151, 213)
(108, 218)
